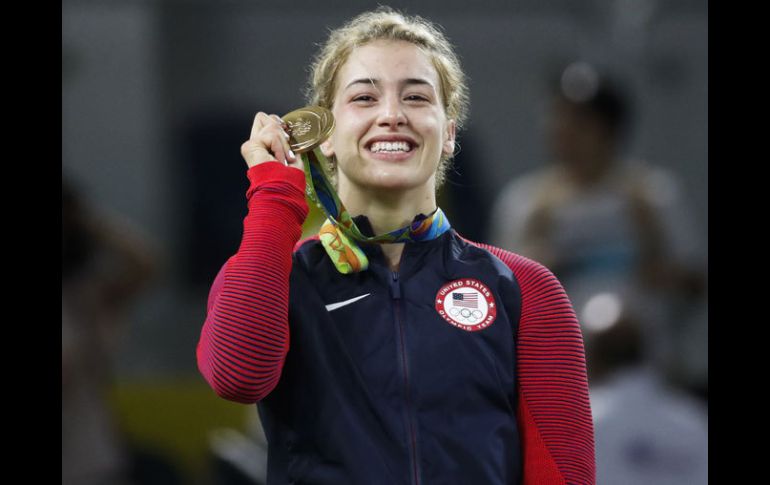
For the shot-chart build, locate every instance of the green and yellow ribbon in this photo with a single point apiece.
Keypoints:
(340, 236)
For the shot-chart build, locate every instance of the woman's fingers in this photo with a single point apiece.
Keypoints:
(291, 157)
(268, 141)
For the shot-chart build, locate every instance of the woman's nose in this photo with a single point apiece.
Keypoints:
(391, 113)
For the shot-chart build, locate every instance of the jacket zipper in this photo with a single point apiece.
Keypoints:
(395, 287)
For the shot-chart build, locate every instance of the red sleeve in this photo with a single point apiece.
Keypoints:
(245, 337)
(554, 411)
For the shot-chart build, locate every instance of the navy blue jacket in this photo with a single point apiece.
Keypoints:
(386, 391)
(367, 379)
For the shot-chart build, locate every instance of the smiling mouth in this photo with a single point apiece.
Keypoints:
(386, 147)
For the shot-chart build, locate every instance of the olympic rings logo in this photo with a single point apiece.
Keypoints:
(472, 316)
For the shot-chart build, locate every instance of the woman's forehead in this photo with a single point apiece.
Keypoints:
(387, 62)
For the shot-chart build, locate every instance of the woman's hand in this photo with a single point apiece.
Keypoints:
(268, 142)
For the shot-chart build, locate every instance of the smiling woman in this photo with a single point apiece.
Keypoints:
(436, 360)
(392, 130)
(449, 87)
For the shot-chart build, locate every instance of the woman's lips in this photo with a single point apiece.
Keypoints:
(391, 156)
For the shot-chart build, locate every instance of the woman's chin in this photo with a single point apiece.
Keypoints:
(384, 177)
(394, 180)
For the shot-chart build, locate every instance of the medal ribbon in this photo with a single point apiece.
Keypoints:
(339, 234)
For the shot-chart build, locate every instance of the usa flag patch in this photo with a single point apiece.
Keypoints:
(467, 304)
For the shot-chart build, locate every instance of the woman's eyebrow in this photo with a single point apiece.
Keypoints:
(418, 81)
(368, 80)
(407, 81)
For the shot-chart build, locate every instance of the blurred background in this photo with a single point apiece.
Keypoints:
(157, 97)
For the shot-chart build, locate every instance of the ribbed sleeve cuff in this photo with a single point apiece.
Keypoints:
(268, 172)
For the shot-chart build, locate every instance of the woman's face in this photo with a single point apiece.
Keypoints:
(391, 128)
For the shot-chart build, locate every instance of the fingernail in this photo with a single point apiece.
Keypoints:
(292, 155)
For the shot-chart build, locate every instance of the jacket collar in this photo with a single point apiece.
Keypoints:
(412, 250)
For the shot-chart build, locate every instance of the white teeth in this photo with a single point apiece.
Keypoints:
(386, 146)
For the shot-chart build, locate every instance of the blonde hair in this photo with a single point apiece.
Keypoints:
(384, 23)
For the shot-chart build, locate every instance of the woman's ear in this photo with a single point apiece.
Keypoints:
(449, 143)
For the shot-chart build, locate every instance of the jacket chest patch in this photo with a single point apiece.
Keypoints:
(467, 304)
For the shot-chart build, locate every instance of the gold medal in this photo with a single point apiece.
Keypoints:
(308, 127)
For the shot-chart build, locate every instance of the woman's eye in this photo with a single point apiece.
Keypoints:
(365, 98)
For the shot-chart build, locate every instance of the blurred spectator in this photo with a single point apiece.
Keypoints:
(601, 223)
(646, 431)
(104, 266)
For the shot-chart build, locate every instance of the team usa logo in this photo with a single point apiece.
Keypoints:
(467, 304)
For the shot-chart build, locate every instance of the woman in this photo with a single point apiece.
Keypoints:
(435, 360)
